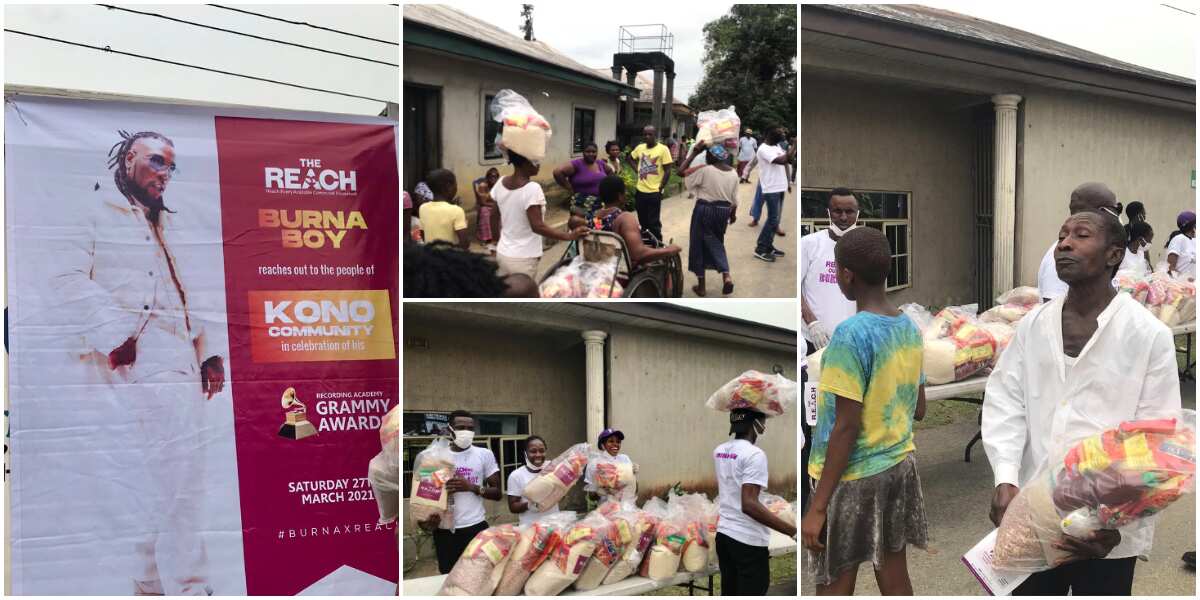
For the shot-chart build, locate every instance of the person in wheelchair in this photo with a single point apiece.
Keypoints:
(643, 246)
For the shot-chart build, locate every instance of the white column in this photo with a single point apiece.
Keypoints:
(593, 342)
(1004, 192)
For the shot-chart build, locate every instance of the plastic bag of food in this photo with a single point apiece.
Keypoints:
(610, 544)
(779, 507)
(771, 394)
(611, 478)
(569, 557)
(662, 560)
(694, 508)
(383, 472)
(956, 346)
(557, 477)
(1024, 295)
(581, 278)
(716, 126)
(522, 129)
(641, 538)
(1006, 313)
(920, 316)
(479, 568)
(1002, 333)
(432, 468)
(538, 539)
(1106, 481)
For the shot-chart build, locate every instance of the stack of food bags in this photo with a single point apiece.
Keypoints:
(779, 507)
(1172, 301)
(717, 126)
(432, 468)
(662, 561)
(582, 278)
(711, 520)
(610, 544)
(538, 539)
(956, 346)
(1106, 481)
(770, 394)
(641, 536)
(694, 509)
(479, 568)
(612, 478)
(383, 472)
(522, 129)
(569, 557)
(1012, 306)
(557, 477)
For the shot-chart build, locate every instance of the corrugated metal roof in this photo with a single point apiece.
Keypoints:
(979, 30)
(454, 21)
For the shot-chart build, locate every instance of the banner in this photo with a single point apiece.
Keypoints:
(203, 345)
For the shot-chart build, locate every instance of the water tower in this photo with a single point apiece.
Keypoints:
(646, 48)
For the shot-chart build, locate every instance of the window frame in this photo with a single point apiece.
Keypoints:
(575, 108)
(485, 118)
(808, 226)
(495, 443)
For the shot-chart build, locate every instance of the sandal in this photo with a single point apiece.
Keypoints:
(698, 290)
(728, 288)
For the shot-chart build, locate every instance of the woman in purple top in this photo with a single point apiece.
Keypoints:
(581, 178)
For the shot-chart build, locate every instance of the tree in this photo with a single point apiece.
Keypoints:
(750, 63)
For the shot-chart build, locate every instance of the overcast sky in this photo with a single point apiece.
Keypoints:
(778, 313)
(1147, 34)
(589, 32)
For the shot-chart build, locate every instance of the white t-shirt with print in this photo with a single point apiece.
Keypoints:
(818, 277)
(517, 480)
(474, 464)
(1185, 247)
(517, 239)
(739, 462)
(772, 177)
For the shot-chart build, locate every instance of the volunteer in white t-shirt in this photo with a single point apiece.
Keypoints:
(535, 458)
(476, 477)
(1137, 249)
(822, 304)
(1088, 196)
(610, 441)
(1181, 249)
(773, 178)
(743, 528)
(522, 206)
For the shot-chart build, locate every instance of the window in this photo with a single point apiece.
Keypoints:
(502, 433)
(585, 129)
(490, 130)
(889, 212)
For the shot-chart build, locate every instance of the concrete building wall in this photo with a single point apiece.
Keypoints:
(868, 136)
(464, 84)
(1142, 152)
(658, 384)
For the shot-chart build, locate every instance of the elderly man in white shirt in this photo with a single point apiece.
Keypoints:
(1088, 196)
(1068, 374)
(120, 287)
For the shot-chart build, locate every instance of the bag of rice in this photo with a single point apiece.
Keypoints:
(662, 561)
(641, 535)
(779, 507)
(557, 478)
(383, 472)
(568, 558)
(1002, 333)
(1006, 313)
(522, 129)
(538, 539)
(433, 467)
(694, 508)
(771, 394)
(479, 568)
(611, 478)
(610, 544)
(1024, 295)
(956, 347)
(717, 126)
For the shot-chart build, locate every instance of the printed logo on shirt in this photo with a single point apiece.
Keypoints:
(830, 274)
(468, 474)
(647, 167)
(727, 455)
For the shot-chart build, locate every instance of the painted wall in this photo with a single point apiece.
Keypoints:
(876, 137)
(464, 84)
(1142, 152)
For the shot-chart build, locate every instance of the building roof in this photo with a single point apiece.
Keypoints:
(450, 20)
(994, 34)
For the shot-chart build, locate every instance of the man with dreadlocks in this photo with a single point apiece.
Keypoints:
(141, 340)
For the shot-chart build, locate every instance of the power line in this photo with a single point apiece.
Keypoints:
(1180, 10)
(290, 22)
(249, 35)
(179, 64)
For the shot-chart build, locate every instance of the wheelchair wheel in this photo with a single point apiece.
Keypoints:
(673, 278)
(643, 285)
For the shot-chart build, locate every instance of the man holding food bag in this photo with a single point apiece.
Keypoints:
(1066, 376)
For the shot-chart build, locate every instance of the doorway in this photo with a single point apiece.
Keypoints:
(422, 132)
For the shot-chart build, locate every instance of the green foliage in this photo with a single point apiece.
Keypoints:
(750, 63)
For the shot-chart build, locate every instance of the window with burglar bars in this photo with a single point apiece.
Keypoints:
(585, 129)
(889, 212)
(502, 433)
(490, 129)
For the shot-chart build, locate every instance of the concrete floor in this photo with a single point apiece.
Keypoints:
(752, 277)
(957, 498)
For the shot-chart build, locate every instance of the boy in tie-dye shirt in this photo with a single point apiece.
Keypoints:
(867, 504)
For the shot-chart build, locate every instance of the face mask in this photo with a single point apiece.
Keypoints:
(463, 438)
(759, 429)
(838, 231)
(532, 467)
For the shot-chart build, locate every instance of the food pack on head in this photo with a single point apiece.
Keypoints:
(779, 507)
(641, 538)
(1106, 481)
(581, 278)
(433, 467)
(717, 126)
(612, 478)
(569, 557)
(538, 539)
(479, 568)
(557, 477)
(956, 346)
(522, 129)
(770, 394)
(610, 544)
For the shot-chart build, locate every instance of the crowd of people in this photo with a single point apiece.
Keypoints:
(862, 496)
(511, 208)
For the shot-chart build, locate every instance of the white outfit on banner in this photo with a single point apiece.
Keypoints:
(1041, 401)
(118, 281)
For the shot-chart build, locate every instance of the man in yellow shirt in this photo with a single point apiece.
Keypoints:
(651, 163)
(441, 220)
